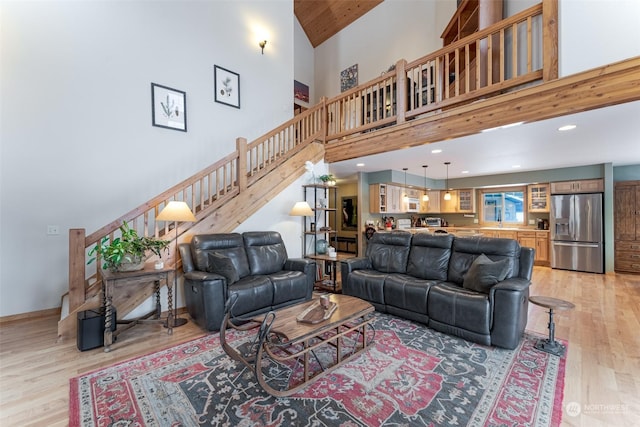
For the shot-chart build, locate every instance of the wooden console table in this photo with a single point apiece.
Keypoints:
(113, 282)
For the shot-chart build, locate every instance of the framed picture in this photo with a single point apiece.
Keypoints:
(227, 86)
(168, 107)
(300, 91)
(349, 78)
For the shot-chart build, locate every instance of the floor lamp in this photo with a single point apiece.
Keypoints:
(176, 212)
(302, 209)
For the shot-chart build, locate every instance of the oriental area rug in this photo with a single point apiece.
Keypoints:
(410, 376)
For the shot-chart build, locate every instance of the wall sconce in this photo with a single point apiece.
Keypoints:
(262, 44)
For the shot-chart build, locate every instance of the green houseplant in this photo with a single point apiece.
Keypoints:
(127, 252)
(327, 179)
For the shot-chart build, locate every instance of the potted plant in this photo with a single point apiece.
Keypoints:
(127, 252)
(327, 179)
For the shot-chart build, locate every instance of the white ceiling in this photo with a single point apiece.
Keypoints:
(605, 135)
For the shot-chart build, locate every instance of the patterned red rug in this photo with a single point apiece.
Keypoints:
(412, 376)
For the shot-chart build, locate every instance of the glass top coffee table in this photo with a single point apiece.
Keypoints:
(288, 352)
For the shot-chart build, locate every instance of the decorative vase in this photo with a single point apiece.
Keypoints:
(321, 246)
(131, 263)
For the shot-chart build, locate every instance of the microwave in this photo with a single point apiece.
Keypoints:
(413, 204)
(434, 222)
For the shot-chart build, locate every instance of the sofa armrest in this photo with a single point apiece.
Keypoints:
(510, 304)
(512, 284)
(352, 264)
(203, 276)
(298, 264)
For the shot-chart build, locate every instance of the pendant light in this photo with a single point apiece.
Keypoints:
(425, 196)
(447, 194)
(406, 196)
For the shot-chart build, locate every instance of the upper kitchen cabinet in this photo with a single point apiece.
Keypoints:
(378, 198)
(538, 197)
(467, 200)
(449, 206)
(581, 186)
(433, 204)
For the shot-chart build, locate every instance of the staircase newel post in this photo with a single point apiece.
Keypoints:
(324, 119)
(241, 148)
(401, 92)
(549, 40)
(77, 264)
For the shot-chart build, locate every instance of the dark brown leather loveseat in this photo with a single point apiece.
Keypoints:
(473, 287)
(251, 268)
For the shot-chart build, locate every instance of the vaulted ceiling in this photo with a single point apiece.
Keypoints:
(321, 19)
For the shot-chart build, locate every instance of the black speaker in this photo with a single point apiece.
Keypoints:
(91, 328)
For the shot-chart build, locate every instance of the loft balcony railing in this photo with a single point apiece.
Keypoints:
(503, 56)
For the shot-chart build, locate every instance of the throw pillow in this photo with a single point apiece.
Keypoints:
(223, 266)
(484, 273)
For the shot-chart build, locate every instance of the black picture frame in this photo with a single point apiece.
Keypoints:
(168, 107)
(226, 86)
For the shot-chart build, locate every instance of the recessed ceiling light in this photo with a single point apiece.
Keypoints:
(515, 166)
(436, 151)
(566, 127)
(359, 165)
(464, 172)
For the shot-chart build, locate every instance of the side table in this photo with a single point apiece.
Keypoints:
(333, 281)
(550, 345)
(113, 282)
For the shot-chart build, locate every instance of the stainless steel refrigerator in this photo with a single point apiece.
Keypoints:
(576, 232)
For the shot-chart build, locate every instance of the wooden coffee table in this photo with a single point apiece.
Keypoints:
(282, 340)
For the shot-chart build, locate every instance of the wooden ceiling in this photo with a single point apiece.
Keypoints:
(321, 19)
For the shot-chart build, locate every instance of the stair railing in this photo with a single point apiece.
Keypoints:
(203, 192)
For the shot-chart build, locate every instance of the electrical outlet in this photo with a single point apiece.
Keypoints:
(532, 222)
(53, 230)
(475, 220)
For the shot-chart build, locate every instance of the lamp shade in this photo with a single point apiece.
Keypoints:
(176, 211)
(301, 209)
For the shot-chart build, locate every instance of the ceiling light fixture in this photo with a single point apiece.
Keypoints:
(436, 151)
(406, 196)
(360, 165)
(447, 194)
(566, 127)
(425, 196)
(262, 44)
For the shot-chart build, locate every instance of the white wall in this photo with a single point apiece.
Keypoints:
(393, 30)
(77, 145)
(593, 33)
(303, 63)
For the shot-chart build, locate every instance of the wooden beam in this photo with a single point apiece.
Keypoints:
(598, 88)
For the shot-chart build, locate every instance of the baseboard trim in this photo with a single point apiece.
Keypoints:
(30, 315)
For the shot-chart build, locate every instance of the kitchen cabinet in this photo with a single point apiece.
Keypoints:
(323, 201)
(527, 238)
(626, 212)
(538, 197)
(394, 199)
(580, 186)
(378, 198)
(466, 200)
(433, 205)
(507, 234)
(449, 206)
(542, 247)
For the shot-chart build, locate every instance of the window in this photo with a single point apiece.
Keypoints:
(503, 206)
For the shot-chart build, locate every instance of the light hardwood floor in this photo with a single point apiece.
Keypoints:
(602, 370)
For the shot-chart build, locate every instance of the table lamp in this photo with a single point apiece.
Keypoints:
(177, 212)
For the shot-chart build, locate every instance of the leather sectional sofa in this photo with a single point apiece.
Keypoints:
(253, 266)
(476, 288)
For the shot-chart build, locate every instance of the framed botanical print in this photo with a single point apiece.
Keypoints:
(227, 86)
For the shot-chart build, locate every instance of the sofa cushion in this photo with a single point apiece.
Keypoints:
(227, 244)
(266, 252)
(288, 286)
(407, 292)
(389, 251)
(466, 249)
(254, 293)
(484, 273)
(460, 308)
(367, 285)
(429, 256)
(223, 265)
